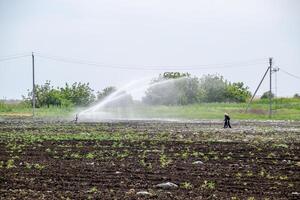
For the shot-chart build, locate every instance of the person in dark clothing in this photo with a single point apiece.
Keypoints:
(226, 121)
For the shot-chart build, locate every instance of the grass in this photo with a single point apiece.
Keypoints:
(22, 110)
(283, 109)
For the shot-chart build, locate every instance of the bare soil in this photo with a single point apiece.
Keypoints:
(254, 160)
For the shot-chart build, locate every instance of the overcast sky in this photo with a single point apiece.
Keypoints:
(151, 34)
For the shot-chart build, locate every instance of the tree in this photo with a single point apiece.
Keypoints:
(80, 94)
(213, 88)
(41, 94)
(105, 92)
(237, 92)
(182, 89)
(297, 95)
(172, 88)
(46, 95)
(266, 95)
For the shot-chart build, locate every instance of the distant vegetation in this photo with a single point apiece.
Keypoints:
(183, 91)
(189, 90)
(267, 95)
(77, 94)
(183, 96)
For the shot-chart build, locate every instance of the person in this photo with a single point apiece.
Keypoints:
(76, 119)
(227, 121)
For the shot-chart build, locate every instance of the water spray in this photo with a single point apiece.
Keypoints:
(134, 89)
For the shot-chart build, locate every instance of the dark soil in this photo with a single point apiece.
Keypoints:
(118, 169)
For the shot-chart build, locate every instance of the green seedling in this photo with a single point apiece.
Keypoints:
(10, 164)
(164, 161)
(186, 185)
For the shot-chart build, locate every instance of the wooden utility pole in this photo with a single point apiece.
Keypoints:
(270, 92)
(257, 89)
(33, 87)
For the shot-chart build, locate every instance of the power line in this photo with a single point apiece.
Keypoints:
(127, 67)
(290, 74)
(151, 68)
(17, 54)
(13, 57)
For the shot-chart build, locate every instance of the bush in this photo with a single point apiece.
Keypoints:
(174, 89)
(185, 90)
(79, 94)
(266, 95)
(105, 92)
(297, 95)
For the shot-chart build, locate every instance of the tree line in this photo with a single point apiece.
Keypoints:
(169, 88)
(183, 89)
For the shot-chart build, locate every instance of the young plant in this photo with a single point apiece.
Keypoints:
(10, 164)
(186, 185)
(164, 160)
(208, 185)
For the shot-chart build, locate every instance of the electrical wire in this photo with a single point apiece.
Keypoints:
(151, 68)
(13, 57)
(290, 74)
(126, 67)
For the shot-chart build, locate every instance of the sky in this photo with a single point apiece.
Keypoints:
(133, 39)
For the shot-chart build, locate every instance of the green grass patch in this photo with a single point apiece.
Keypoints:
(283, 109)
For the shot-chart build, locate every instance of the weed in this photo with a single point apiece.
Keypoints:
(90, 156)
(271, 155)
(262, 172)
(75, 155)
(227, 158)
(10, 164)
(285, 146)
(93, 190)
(28, 165)
(283, 177)
(38, 166)
(186, 185)
(238, 175)
(185, 155)
(48, 150)
(164, 161)
(208, 185)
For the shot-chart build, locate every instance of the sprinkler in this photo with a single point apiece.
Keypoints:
(76, 118)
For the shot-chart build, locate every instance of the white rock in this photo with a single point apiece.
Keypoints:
(198, 162)
(143, 193)
(167, 185)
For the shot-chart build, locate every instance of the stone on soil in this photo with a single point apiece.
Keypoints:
(143, 193)
(198, 162)
(167, 185)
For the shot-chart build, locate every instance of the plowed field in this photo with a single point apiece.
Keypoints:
(117, 160)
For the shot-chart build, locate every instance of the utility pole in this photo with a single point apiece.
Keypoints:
(270, 70)
(33, 87)
(270, 92)
(257, 89)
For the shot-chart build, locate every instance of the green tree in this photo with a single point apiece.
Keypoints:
(237, 92)
(41, 94)
(297, 95)
(213, 88)
(105, 92)
(174, 88)
(266, 95)
(80, 94)
(46, 95)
